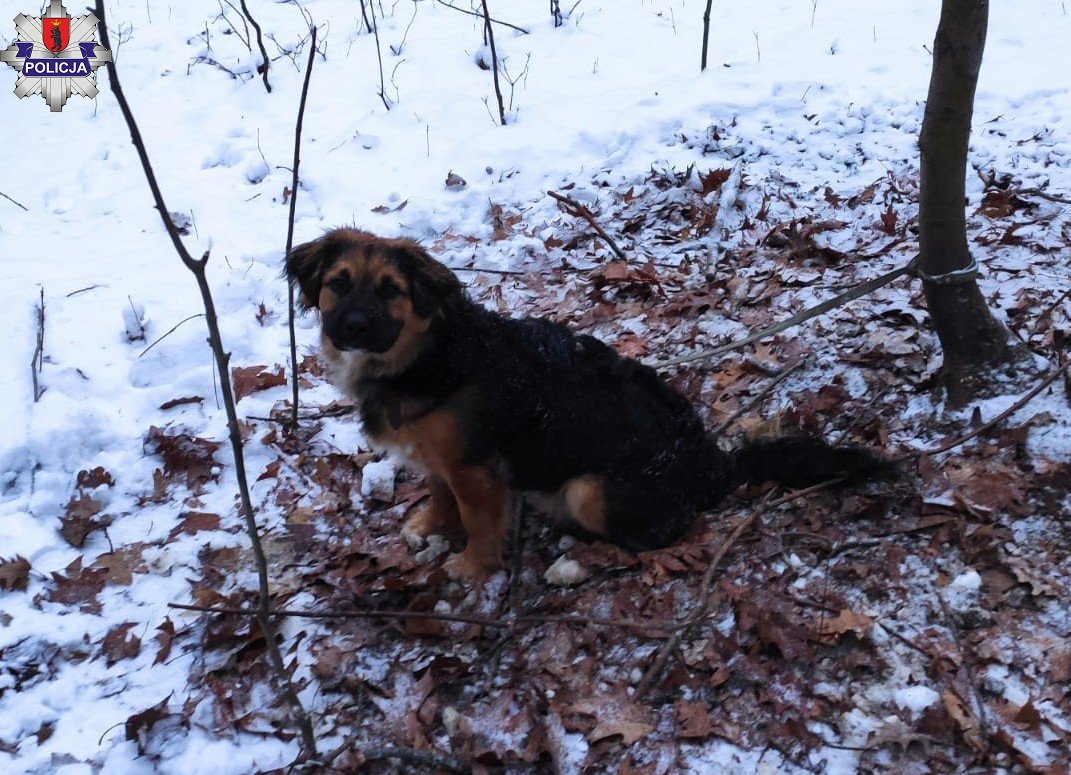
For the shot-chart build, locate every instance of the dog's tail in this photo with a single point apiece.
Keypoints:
(803, 460)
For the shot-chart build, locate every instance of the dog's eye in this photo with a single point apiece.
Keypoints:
(339, 285)
(388, 289)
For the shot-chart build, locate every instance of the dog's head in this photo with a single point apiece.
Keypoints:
(376, 296)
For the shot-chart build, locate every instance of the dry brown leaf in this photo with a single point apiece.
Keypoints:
(965, 720)
(120, 644)
(615, 717)
(14, 573)
(251, 379)
(830, 630)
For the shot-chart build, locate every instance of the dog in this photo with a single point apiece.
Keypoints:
(491, 406)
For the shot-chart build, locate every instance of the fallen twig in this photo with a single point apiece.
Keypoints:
(1045, 318)
(862, 289)
(494, 61)
(222, 358)
(294, 182)
(19, 204)
(379, 54)
(263, 69)
(413, 756)
(37, 362)
(479, 15)
(861, 543)
(744, 409)
(576, 209)
(1044, 195)
(700, 611)
(1027, 398)
(482, 621)
(170, 331)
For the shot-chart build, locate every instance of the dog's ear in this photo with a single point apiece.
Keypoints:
(305, 266)
(430, 283)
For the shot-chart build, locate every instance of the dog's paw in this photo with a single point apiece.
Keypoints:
(468, 567)
(425, 521)
(437, 546)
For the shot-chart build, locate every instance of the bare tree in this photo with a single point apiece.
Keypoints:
(972, 340)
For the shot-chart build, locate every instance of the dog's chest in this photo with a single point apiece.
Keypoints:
(420, 430)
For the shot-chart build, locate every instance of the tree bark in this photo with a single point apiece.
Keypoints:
(972, 340)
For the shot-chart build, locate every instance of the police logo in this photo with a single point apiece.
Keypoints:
(56, 55)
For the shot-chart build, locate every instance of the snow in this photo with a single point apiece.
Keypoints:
(377, 480)
(915, 698)
(803, 93)
(962, 592)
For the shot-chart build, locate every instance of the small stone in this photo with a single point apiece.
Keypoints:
(565, 572)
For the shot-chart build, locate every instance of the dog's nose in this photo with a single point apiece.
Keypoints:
(356, 323)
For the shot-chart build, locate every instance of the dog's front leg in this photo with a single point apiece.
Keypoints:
(483, 501)
(439, 515)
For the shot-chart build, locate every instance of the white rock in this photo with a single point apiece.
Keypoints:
(565, 572)
(377, 480)
(915, 698)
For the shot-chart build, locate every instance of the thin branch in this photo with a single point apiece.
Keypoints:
(170, 331)
(479, 15)
(577, 210)
(706, 36)
(409, 755)
(744, 409)
(556, 13)
(494, 62)
(197, 268)
(1045, 318)
(364, 15)
(862, 289)
(1044, 195)
(263, 69)
(413, 756)
(987, 425)
(379, 54)
(37, 362)
(483, 621)
(706, 601)
(294, 182)
(19, 204)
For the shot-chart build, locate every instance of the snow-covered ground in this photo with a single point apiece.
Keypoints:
(798, 97)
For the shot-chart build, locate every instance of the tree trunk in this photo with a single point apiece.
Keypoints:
(972, 340)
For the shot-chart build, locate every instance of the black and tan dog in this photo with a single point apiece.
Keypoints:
(491, 406)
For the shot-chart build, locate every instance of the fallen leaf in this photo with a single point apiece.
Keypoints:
(181, 402)
(120, 644)
(78, 522)
(142, 722)
(14, 573)
(965, 720)
(694, 721)
(831, 630)
(455, 181)
(251, 379)
(615, 718)
(194, 522)
(183, 453)
(713, 179)
(94, 478)
(165, 635)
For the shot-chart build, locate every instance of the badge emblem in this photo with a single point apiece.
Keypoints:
(55, 55)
